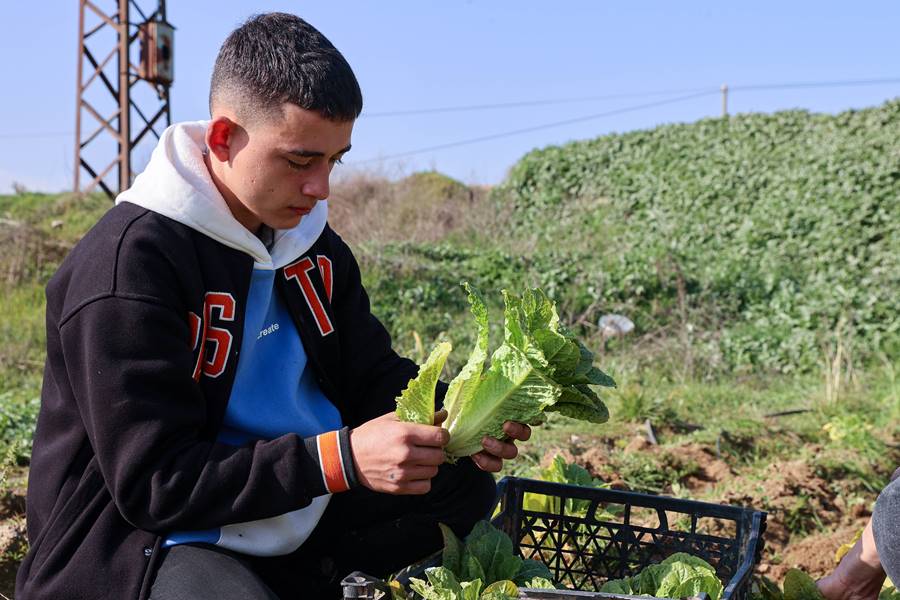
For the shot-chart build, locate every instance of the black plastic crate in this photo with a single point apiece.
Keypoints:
(591, 535)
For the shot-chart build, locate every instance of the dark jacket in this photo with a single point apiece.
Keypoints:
(125, 448)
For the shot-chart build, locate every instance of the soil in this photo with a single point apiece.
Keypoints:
(813, 554)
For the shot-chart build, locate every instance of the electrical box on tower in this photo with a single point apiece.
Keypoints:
(157, 52)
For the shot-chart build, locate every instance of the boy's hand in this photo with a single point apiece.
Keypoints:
(394, 457)
(491, 458)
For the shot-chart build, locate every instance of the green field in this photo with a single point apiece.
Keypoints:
(758, 255)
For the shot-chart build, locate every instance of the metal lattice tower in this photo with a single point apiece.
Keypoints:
(143, 52)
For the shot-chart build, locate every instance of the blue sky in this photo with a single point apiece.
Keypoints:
(415, 54)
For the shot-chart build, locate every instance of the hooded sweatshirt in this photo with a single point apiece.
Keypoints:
(177, 184)
(199, 385)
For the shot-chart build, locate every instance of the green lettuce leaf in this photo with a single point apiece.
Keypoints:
(500, 590)
(494, 552)
(539, 583)
(452, 554)
(472, 569)
(680, 575)
(694, 561)
(512, 390)
(442, 578)
(800, 586)
(416, 402)
(540, 367)
(429, 592)
(618, 586)
(462, 388)
(580, 402)
(471, 590)
(529, 570)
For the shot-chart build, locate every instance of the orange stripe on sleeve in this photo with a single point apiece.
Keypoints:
(330, 461)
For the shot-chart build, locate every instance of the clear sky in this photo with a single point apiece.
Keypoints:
(423, 54)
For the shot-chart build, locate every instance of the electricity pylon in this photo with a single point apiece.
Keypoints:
(151, 38)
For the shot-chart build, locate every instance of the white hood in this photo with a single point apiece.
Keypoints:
(177, 184)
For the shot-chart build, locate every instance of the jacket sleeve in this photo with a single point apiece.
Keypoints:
(374, 373)
(129, 367)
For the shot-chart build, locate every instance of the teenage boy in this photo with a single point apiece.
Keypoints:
(217, 408)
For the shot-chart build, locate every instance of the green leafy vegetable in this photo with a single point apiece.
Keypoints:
(500, 590)
(539, 583)
(560, 471)
(416, 402)
(800, 586)
(482, 568)
(452, 554)
(678, 576)
(540, 366)
(463, 386)
(889, 592)
(763, 588)
(494, 551)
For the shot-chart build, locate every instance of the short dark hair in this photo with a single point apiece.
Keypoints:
(278, 57)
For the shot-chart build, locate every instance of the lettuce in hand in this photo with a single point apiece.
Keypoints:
(539, 367)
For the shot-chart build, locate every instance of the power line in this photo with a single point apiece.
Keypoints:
(10, 136)
(813, 84)
(547, 102)
(539, 127)
(474, 107)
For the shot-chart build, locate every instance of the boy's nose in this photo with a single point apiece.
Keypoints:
(317, 185)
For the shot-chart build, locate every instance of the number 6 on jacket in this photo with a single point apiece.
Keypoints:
(222, 338)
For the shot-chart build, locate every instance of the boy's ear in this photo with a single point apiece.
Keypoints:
(219, 137)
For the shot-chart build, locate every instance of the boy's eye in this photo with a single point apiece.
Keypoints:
(337, 161)
(297, 166)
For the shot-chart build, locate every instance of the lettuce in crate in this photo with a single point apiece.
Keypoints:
(540, 367)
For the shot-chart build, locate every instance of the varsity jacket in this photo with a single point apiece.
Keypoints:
(145, 319)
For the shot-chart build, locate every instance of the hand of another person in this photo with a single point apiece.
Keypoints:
(859, 575)
(394, 457)
(491, 458)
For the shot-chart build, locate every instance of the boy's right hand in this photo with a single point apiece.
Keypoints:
(394, 457)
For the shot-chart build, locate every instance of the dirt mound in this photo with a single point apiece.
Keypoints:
(813, 554)
(710, 469)
(796, 499)
(702, 468)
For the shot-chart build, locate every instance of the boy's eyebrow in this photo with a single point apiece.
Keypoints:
(314, 153)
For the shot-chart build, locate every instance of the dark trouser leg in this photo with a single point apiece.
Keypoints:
(201, 572)
(886, 527)
(381, 533)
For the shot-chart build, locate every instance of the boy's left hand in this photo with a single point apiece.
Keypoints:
(491, 458)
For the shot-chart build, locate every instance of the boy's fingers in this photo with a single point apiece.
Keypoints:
(486, 462)
(517, 431)
(428, 435)
(429, 456)
(440, 416)
(506, 450)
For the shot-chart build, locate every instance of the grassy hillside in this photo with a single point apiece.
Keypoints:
(759, 257)
(753, 242)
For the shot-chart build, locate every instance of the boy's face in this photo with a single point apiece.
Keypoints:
(274, 171)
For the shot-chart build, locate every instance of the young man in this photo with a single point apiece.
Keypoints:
(217, 408)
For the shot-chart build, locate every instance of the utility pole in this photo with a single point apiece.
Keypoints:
(117, 96)
(724, 100)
